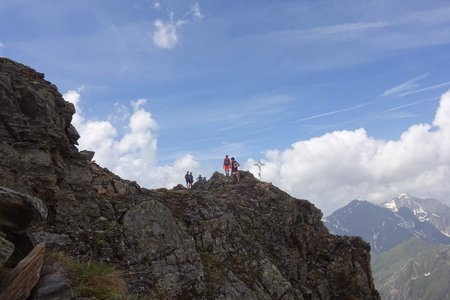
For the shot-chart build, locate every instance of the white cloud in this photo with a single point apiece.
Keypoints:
(196, 12)
(442, 118)
(132, 155)
(410, 104)
(404, 87)
(165, 34)
(73, 96)
(339, 31)
(334, 112)
(335, 168)
(349, 28)
(433, 87)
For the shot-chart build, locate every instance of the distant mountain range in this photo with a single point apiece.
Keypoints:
(381, 227)
(410, 244)
(428, 209)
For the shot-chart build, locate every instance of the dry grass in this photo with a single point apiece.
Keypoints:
(92, 279)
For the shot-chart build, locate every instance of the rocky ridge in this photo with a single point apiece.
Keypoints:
(217, 241)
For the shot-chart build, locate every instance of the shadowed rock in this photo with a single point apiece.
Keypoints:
(54, 284)
(6, 249)
(20, 212)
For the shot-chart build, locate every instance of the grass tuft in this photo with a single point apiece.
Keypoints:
(92, 279)
(99, 280)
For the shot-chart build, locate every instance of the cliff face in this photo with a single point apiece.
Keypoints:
(217, 241)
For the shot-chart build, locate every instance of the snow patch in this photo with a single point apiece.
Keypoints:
(420, 210)
(391, 205)
(444, 233)
(404, 196)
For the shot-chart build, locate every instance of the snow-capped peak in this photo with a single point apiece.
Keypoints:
(404, 196)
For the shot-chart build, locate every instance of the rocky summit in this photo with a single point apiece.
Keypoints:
(219, 240)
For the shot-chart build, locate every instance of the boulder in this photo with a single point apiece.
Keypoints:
(19, 283)
(54, 284)
(20, 212)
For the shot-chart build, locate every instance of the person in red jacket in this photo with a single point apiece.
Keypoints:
(226, 165)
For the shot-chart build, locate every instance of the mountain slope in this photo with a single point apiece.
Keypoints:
(217, 241)
(427, 209)
(381, 227)
(410, 256)
(415, 269)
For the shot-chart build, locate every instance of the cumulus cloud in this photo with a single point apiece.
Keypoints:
(166, 34)
(133, 154)
(335, 168)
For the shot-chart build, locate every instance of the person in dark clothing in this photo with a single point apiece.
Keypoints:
(187, 178)
(191, 180)
(235, 168)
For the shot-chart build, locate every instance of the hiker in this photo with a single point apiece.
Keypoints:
(235, 168)
(226, 165)
(199, 178)
(191, 180)
(187, 178)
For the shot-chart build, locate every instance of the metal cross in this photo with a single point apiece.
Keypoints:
(259, 164)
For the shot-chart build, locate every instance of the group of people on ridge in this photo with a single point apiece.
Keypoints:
(228, 165)
(190, 179)
(233, 165)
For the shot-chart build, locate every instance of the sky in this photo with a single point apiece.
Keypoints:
(340, 100)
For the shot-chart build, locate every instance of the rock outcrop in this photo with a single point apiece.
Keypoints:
(19, 283)
(19, 213)
(216, 241)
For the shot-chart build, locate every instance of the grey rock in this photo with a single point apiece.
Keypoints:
(49, 238)
(19, 212)
(53, 284)
(88, 155)
(6, 249)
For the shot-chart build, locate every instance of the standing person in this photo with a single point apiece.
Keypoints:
(187, 178)
(235, 168)
(226, 165)
(191, 180)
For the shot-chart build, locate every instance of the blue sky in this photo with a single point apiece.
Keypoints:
(240, 77)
